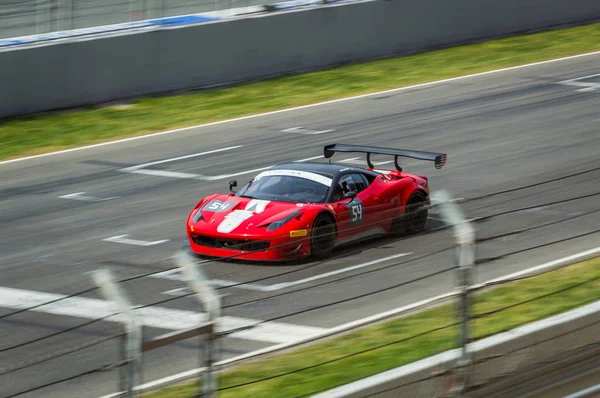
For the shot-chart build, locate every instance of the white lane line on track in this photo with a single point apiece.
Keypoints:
(578, 82)
(307, 159)
(126, 241)
(183, 291)
(175, 275)
(194, 155)
(302, 130)
(354, 324)
(156, 317)
(82, 197)
(140, 169)
(458, 78)
(163, 173)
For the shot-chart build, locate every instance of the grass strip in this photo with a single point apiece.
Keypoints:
(394, 343)
(44, 133)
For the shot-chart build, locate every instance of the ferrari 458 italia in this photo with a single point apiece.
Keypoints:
(303, 209)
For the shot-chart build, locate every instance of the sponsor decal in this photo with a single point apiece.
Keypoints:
(301, 232)
(297, 173)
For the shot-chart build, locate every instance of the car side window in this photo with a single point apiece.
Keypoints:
(359, 182)
(347, 183)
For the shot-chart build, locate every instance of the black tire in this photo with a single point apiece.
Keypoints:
(322, 236)
(415, 216)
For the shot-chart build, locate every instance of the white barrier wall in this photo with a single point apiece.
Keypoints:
(92, 71)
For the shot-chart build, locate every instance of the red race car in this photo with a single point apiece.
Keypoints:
(301, 209)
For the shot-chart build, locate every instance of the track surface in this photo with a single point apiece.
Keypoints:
(500, 131)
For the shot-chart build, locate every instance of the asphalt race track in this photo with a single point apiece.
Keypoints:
(66, 215)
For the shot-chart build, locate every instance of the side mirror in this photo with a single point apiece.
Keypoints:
(350, 194)
(232, 184)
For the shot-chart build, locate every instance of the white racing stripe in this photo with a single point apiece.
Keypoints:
(156, 317)
(458, 78)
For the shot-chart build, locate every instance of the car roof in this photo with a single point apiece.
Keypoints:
(331, 169)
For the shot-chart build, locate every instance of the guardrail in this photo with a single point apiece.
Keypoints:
(499, 363)
(36, 21)
(20, 18)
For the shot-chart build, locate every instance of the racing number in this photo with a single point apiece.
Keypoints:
(357, 211)
(218, 206)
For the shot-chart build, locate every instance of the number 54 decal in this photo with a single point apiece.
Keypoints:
(357, 211)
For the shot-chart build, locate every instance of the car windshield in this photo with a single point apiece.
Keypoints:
(288, 186)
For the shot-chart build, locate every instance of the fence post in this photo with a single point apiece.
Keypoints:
(464, 233)
(211, 302)
(133, 339)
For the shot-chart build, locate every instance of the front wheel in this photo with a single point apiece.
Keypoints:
(322, 236)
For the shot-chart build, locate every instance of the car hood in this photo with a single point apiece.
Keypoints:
(233, 214)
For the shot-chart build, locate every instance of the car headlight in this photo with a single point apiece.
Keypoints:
(278, 224)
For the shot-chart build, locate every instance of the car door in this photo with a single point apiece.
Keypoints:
(353, 215)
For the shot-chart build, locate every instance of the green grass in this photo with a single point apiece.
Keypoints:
(38, 134)
(580, 284)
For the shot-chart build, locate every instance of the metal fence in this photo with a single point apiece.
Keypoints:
(30, 17)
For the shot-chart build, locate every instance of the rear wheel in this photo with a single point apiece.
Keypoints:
(323, 236)
(415, 216)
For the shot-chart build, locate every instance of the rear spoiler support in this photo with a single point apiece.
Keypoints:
(439, 159)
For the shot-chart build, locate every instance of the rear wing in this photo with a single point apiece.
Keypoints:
(439, 159)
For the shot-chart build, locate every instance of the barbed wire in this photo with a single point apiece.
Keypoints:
(482, 261)
(77, 376)
(541, 225)
(505, 191)
(435, 375)
(540, 342)
(565, 289)
(546, 315)
(56, 354)
(48, 303)
(556, 202)
(60, 332)
(321, 283)
(473, 317)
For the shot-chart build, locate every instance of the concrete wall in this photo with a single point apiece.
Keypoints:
(87, 72)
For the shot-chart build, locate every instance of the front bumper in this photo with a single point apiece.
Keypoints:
(247, 247)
